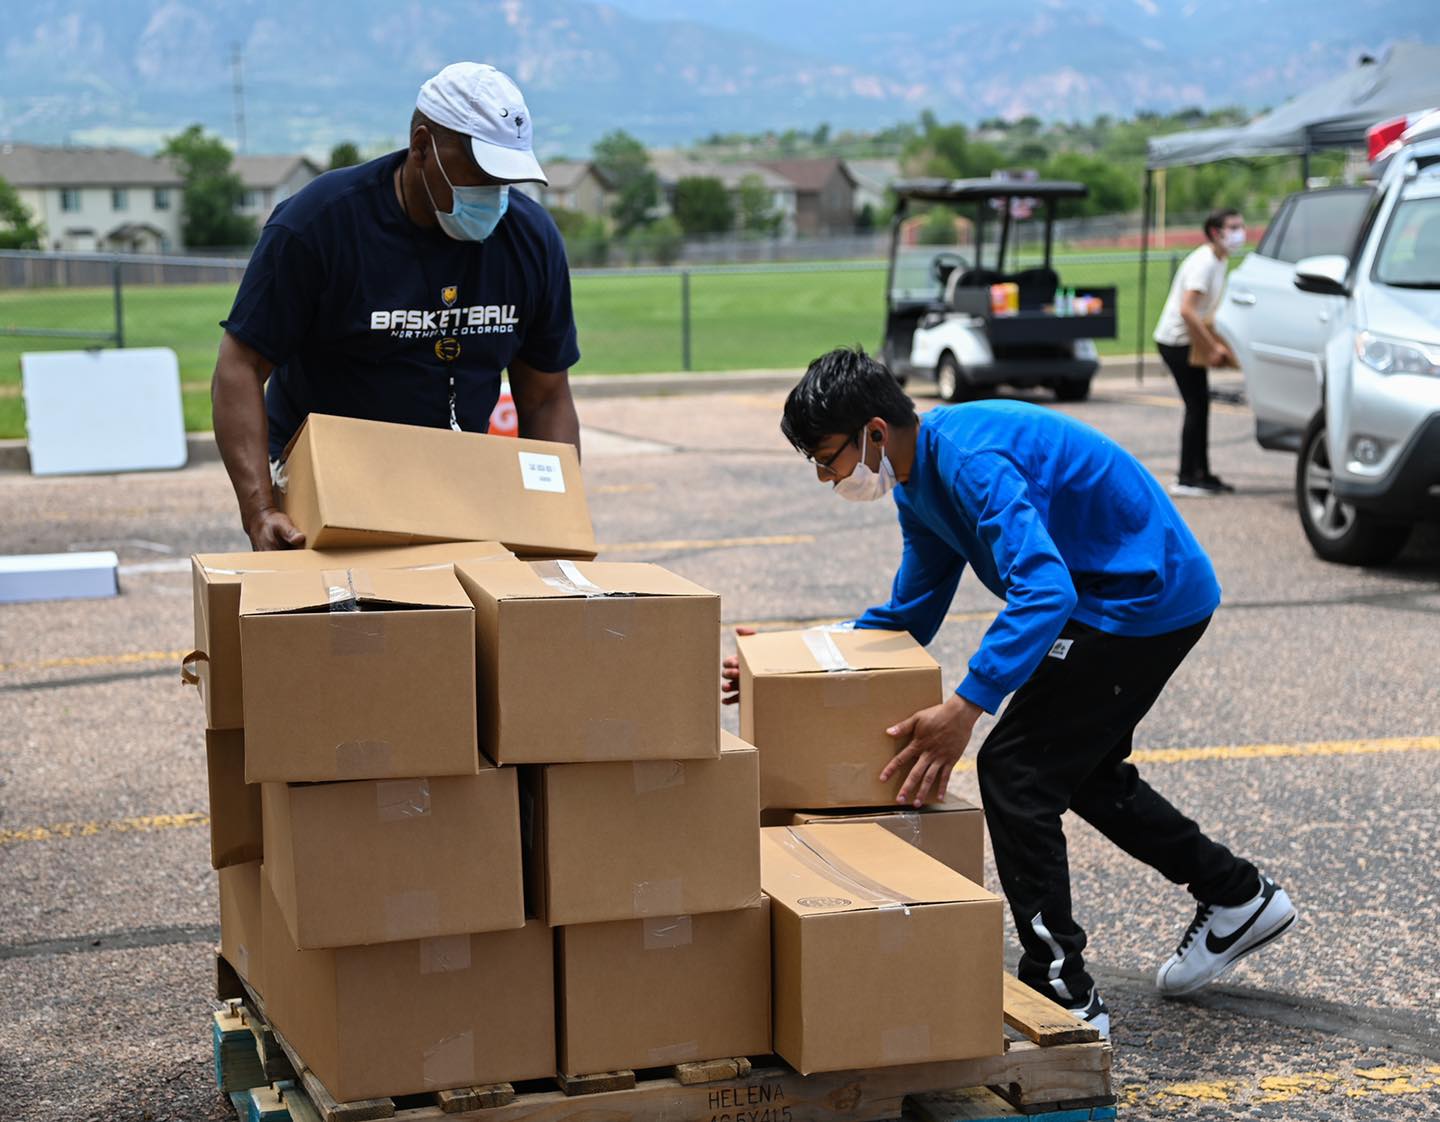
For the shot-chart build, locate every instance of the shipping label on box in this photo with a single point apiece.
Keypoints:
(235, 834)
(883, 956)
(951, 831)
(415, 1016)
(589, 661)
(376, 861)
(616, 841)
(655, 992)
(357, 674)
(817, 703)
(350, 482)
(214, 664)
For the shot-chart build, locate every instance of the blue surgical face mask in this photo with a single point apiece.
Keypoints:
(477, 210)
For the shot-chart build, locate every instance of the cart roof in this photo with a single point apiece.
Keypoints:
(964, 190)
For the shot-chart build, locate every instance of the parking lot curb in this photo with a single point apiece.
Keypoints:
(15, 457)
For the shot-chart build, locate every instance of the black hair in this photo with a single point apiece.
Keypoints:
(1217, 218)
(839, 393)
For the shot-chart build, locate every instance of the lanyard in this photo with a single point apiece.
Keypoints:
(441, 352)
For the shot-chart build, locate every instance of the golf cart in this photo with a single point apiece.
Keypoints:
(960, 319)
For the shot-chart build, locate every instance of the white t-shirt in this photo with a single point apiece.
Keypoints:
(1201, 272)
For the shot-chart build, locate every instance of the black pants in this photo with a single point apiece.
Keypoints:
(1062, 744)
(1194, 385)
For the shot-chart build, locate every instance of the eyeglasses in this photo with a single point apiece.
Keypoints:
(827, 465)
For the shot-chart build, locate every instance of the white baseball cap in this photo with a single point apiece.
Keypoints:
(484, 104)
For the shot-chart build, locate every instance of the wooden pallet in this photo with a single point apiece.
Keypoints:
(1054, 1069)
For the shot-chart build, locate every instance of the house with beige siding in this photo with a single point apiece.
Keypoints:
(269, 180)
(105, 200)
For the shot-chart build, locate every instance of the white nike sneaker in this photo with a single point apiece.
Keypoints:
(1219, 937)
(1095, 1013)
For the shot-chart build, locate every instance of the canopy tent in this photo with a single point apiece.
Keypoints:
(1335, 114)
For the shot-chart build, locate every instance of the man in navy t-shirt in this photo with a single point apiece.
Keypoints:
(1106, 591)
(399, 291)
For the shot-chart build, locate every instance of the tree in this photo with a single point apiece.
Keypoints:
(212, 191)
(660, 241)
(587, 240)
(757, 216)
(624, 162)
(17, 228)
(344, 155)
(702, 206)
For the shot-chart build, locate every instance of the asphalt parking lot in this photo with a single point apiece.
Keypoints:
(1304, 731)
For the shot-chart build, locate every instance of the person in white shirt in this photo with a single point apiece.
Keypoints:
(1187, 320)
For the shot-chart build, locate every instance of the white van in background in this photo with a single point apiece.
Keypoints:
(1335, 320)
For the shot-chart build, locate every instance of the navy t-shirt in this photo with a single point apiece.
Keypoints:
(364, 314)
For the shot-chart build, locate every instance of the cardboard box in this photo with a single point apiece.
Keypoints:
(583, 661)
(235, 834)
(241, 940)
(379, 860)
(416, 1016)
(357, 674)
(654, 992)
(651, 838)
(817, 704)
(362, 483)
(883, 956)
(951, 831)
(214, 665)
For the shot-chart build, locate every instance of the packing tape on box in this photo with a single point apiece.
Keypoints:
(407, 913)
(352, 631)
(657, 775)
(904, 824)
(444, 954)
(361, 759)
(567, 577)
(674, 1053)
(663, 933)
(190, 667)
(822, 646)
(449, 1062)
(905, 1043)
(659, 897)
(845, 691)
(607, 738)
(400, 799)
(819, 858)
(851, 783)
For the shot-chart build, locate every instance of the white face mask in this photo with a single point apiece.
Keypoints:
(1235, 239)
(863, 485)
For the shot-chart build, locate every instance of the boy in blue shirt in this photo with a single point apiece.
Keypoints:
(1106, 590)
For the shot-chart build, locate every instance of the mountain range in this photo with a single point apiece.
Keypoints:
(318, 71)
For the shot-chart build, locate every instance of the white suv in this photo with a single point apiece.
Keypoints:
(1335, 320)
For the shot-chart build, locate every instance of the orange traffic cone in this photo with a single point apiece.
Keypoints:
(505, 421)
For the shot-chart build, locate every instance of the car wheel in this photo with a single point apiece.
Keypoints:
(1338, 531)
(950, 380)
(1072, 390)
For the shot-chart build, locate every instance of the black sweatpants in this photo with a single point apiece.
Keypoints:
(1193, 383)
(1062, 744)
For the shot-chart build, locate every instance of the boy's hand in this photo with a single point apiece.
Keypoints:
(730, 673)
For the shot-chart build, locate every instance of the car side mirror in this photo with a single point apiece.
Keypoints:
(1323, 275)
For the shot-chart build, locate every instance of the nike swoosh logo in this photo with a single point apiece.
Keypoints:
(1223, 943)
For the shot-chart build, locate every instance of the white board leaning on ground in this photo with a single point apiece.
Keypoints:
(103, 411)
(59, 576)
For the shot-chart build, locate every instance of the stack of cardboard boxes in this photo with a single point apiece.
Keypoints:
(503, 835)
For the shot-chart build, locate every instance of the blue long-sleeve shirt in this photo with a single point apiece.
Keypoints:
(1057, 520)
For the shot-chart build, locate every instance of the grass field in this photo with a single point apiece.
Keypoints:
(627, 324)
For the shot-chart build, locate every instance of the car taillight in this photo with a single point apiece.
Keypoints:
(1382, 136)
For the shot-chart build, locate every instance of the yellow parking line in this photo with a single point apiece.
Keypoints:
(706, 543)
(122, 659)
(156, 822)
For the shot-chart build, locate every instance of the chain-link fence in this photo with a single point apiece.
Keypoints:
(692, 317)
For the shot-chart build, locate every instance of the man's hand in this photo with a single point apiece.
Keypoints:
(938, 738)
(1221, 357)
(272, 529)
(730, 673)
